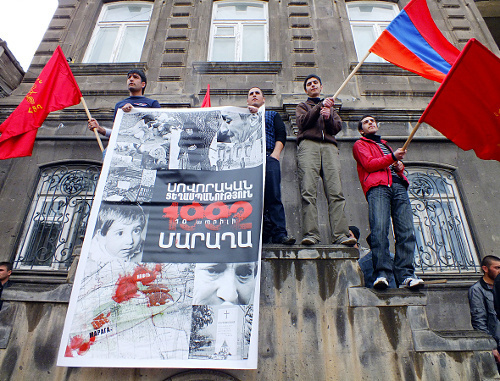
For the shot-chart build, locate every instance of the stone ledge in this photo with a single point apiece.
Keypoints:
(458, 341)
(309, 252)
(380, 68)
(237, 67)
(38, 293)
(367, 297)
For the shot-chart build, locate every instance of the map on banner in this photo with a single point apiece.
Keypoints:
(169, 270)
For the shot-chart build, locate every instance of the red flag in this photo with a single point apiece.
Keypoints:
(54, 89)
(466, 107)
(206, 100)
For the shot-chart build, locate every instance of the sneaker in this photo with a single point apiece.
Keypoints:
(381, 283)
(285, 240)
(309, 241)
(412, 283)
(347, 241)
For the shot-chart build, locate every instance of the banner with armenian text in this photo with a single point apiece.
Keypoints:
(169, 270)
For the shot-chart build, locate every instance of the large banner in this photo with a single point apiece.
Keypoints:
(170, 266)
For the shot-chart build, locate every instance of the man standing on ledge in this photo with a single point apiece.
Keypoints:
(381, 174)
(318, 156)
(274, 229)
(136, 82)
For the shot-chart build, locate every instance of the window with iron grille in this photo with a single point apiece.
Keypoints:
(57, 218)
(444, 239)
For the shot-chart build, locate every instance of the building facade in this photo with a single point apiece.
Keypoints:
(315, 313)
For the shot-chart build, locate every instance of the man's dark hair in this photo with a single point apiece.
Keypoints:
(256, 87)
(309, 77)
(355, 231)
(141, 74)
(488, 260)
(360, 124)
(7, 264)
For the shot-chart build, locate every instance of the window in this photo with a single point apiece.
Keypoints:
(368, 21)
(119, 34)
(239, 32)
(58, 217)
(444, 241)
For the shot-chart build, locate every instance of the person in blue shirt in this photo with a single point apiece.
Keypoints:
(136, 84)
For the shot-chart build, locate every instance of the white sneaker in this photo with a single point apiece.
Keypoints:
(380, 283)
(412, 283)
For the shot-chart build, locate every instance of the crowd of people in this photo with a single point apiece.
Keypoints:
(380, 169)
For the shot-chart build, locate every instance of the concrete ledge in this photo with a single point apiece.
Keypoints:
(37, 293)
(209, 67)
(309, 252)
(367, 297)
(457, 341)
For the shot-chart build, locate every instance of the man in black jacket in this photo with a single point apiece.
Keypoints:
(5, 272)
(482, 309)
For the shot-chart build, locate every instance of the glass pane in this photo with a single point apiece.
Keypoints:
(254, 44)
(224, 31)
(223, 49)
(131, 12)
(42, 245)
(132, 43)
(103, 45)
(365, 12)
(364, 37)
(240, 11)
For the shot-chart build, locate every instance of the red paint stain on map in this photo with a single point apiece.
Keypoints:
(77, 345)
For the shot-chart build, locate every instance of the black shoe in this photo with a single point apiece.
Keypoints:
(285, 240)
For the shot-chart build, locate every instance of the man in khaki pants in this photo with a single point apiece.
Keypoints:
(317, 156)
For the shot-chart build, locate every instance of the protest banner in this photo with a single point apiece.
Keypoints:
(170, 265)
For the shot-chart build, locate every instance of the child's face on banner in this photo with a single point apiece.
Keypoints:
(224, 283)
(123, 238)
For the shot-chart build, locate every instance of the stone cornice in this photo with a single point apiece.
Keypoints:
(237, 67)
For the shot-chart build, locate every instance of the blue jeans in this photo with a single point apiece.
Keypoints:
(366, 265)
(383, 203)
(274, 226)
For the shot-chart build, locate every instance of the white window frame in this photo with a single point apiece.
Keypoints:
(377, 26)
(238, 25)
(444, 239)
(122, 27)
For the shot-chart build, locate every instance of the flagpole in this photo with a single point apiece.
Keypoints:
(411, 135)
(95, 130)
(351, 75)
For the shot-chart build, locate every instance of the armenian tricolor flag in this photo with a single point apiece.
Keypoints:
(413, 41)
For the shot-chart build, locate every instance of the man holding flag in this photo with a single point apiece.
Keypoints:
(136, 83)
(381, 174)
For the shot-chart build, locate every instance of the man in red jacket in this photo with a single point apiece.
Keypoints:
(382, 178)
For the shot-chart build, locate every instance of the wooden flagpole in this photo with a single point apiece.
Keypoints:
(95, 130)
(351, 75)
(412, 134)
